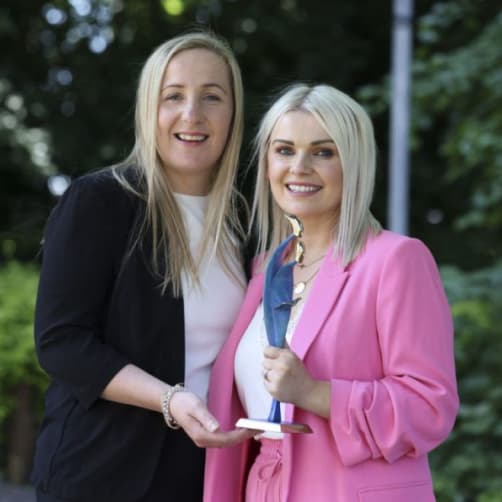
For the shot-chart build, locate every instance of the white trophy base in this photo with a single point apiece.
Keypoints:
(266, 426)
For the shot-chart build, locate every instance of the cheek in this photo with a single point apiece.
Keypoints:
(222, 129)
(339, 177)
(271, 175)
(273, 168)
(336, 175)
(274, 183)
(228, 126)
(162, 118)
(276, 173)
(224, 118)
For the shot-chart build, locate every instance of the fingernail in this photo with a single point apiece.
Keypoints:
(213, 426)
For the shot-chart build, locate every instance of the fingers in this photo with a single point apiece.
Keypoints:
(223, 439)
(281, 360)
(218, 439)
(201, 426)
(271, 352)
(186, 406)
(206, 419)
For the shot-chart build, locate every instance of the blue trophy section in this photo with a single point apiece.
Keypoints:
(277, 304)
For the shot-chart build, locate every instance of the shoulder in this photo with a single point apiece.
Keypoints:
(99, 191)
(390, 242)
(96, 200)
(98, 184)
(389, 249)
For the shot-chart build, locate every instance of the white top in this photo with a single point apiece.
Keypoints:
(210, 311)
(248, 367)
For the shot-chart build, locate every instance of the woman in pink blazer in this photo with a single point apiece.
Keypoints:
(369, 361)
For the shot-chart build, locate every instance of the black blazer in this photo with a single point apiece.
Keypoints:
(96, 311)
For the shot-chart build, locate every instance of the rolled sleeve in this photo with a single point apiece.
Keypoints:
(413, 407)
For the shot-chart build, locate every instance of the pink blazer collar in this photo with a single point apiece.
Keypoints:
(325, 292)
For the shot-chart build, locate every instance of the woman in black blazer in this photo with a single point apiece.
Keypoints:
(141, 281)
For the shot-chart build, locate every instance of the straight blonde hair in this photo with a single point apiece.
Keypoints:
(163, 221)
(350, 128)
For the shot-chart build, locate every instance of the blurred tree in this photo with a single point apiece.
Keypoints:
(456, 167)
(21, 379)
(468, 467)
(459, 103)
(67, 80)
(456, 208)
(69, 70)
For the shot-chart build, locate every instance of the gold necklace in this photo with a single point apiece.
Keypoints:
(303, 265)
(299, 287)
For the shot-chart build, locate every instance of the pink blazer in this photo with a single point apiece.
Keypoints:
(380, 330)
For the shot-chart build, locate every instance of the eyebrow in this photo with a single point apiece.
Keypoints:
(314, 143)
(209, 84)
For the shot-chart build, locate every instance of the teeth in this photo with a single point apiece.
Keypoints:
(192, 137)
(303, 188)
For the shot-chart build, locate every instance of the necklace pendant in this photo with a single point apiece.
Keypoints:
(299, 287)
(299, 252)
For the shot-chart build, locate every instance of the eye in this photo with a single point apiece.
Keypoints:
(175, 96)
(212, 97)
(325, 153)
(284, 150)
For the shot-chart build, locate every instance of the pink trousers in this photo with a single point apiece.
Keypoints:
(264, 480)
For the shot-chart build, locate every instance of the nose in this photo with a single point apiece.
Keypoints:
(300, 164)
(191, 110)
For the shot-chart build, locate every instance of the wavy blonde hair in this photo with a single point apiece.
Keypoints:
(163, 221)
(350, 127)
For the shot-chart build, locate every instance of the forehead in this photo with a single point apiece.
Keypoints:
(298, 125)
(197, 67)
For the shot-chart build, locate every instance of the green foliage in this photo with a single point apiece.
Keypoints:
(18, 363)
(456, 164)
(468, 467)
(464, 87)
(56, 116)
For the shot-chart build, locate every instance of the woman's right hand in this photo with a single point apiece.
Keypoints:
(192, 415)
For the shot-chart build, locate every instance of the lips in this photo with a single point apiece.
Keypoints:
(191, 137)
(295, 188)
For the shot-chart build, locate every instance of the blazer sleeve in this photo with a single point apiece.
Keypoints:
(413, 407)
(83, 246)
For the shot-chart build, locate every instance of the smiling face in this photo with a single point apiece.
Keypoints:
(304, 170)
(194, 117)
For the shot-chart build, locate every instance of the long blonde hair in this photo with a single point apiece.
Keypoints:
(163, 221)
(350, 127)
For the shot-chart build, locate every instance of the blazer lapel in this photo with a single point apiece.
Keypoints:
(325, 292)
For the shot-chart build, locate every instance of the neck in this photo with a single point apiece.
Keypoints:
(316, 239)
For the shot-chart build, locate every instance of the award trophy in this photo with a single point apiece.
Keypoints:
(277, 304)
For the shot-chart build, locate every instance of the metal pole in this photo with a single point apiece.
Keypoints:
(398, 205)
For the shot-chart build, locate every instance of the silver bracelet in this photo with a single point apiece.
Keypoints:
(165, 401)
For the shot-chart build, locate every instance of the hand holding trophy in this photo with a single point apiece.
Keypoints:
(277, 304)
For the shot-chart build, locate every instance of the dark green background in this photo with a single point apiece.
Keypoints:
(50, 125)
